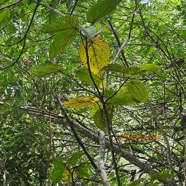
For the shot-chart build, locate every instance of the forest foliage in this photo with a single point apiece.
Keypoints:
(93, 92)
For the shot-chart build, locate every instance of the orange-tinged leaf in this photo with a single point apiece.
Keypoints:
(96, 54)
(81, 102)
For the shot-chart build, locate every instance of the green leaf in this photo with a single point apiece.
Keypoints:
(136, 182)
(4, 15)
(47, 70)
(153, 184)
(132, 71)
(59, 168)
(83, 74)
(101, 9)
(120, 98)
(81, 102)
(61, 41)
(99, 117)
(162, 175)
(137, 90)
(129, 72)
(74, 158)
(149, 67)
(61, 24)
(83, 170)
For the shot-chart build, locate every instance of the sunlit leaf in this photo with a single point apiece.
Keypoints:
(81, 102)
(95, 53)
(69, 176)
(83, 74)
(4, 15)
(101, 9)
(137, 90)
(61, 24)
(122, 97)
(61, 41)
(149, 67)
(47, 70)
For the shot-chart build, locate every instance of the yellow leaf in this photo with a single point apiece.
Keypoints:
(68, 176)
(96, 54)
(81, 102)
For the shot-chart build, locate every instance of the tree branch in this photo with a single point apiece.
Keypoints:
(55, 118)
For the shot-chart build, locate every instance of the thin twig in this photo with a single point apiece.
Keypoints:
(119, 43)
(11, 5)
(127, 39)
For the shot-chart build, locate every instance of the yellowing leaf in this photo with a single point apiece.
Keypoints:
(81, 102)
(68, 176)
(95, 53)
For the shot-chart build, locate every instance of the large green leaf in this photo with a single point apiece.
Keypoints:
(101, 9)
(61, 41)
(137, 90)
(129, 72)
(59, 168)
(47, 70)
(132, 71)
(61, 24)
(122, 97)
